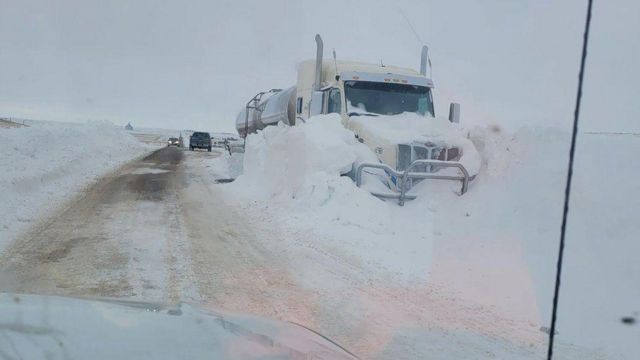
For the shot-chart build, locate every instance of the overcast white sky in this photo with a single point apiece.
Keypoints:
(177, 64)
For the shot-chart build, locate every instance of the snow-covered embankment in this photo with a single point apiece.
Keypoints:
(48, 163)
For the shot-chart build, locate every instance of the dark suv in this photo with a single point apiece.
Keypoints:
(200, 140)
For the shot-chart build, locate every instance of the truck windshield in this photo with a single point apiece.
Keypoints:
(368, 97)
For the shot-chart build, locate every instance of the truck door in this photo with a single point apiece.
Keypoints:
(334, 102)
(325, 102)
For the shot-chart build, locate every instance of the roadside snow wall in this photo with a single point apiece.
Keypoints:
(48, 163)
(299, 162)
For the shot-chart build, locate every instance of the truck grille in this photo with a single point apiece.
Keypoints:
(409, 153)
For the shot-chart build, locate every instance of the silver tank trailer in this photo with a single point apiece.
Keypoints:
(279, 107)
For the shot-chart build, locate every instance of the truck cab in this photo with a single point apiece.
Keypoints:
(354, 89)
(357, 91)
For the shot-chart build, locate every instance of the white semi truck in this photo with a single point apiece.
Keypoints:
(389, 109)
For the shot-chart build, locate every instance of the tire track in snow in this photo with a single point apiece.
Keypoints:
(122, 238)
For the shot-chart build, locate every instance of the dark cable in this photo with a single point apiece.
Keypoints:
(567, 191)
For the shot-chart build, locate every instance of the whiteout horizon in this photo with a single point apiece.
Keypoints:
(389, 109)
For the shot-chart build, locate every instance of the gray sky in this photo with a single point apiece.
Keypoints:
(176, 64)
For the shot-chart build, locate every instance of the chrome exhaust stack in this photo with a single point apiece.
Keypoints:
(319, 50)
(424, 60)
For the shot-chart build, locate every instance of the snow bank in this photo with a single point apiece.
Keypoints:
(48, 163)
(497, 244)
(293, 162)
(224, 166)
(294, 174)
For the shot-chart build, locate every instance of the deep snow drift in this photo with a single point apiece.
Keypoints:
(294, 173)
(496, 246)
(303, 189)
(47, 163)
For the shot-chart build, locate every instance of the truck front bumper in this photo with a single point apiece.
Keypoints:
(403, 177)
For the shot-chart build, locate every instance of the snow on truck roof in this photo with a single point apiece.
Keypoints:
(306, 70)
(329, 67)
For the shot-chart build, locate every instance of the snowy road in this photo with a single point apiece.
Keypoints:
(160, 229)
(120, 239)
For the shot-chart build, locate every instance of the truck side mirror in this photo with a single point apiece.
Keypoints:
(454, 113)
(317, 100)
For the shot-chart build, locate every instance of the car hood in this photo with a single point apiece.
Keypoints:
(34, 326)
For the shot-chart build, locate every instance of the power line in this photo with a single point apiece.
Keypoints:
(567, 191)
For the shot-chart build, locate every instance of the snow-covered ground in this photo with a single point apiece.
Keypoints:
(495, 247)
(45, 164)
(445, 276)
(154, 136)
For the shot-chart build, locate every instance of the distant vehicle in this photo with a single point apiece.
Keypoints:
(173, 142)
(200, 140)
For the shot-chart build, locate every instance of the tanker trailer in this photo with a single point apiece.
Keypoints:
(267, 108)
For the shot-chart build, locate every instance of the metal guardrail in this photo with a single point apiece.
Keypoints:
(406, 175)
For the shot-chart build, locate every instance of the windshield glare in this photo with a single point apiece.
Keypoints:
(387, 98)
